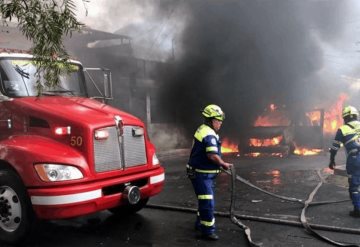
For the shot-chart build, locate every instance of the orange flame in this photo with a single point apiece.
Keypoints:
(272, 117)
(229, 147)
(333, 118)
(306, 151)
(265, 142)
(256, 154)
(314, 117)
(275, 117)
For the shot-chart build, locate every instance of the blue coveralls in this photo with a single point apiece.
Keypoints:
(349, 134)
(205, 141)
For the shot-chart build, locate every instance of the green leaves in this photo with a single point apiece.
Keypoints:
(45, 23)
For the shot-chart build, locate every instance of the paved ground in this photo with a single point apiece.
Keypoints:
(293, 176)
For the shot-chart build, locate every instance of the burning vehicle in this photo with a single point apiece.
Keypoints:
(276, 133)
(65, 154)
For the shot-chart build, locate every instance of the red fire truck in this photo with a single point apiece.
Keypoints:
(64, 154)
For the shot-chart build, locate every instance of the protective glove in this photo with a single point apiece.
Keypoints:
(332, 165)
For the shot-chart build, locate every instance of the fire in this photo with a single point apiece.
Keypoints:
(314, 117)
(272, 117)
(306, 151)
(275, 116)
(265, 142)
(333, 119)
(257, 154)
(229, 147)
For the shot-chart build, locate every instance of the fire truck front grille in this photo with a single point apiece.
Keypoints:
(113, 154)
(107, 152)
(134, 147)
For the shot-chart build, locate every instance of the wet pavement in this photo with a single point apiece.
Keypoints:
(293, 176)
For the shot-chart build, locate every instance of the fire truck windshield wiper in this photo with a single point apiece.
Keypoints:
(22, 72)
(61, 91)
(23, 75)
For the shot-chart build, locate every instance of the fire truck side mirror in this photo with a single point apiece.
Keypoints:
(105, 93)
(107, 85)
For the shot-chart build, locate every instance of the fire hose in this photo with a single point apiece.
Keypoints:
(306, 225)
(303, 221)
(233, 218)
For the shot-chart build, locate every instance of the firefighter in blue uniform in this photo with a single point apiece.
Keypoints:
(348, 135)
(203, 167)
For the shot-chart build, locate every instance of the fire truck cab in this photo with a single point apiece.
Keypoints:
(63, 154)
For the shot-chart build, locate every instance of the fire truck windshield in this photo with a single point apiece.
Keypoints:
(18, 79)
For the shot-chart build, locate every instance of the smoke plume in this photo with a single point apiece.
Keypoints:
(244, 55)
(240, 54)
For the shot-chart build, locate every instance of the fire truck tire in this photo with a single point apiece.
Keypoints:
(127, 209)
(16, 215)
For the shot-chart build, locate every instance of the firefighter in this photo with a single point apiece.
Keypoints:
(203, 167)
(348, 135)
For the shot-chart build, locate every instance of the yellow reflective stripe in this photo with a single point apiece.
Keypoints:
(207, 171)
(212, 149)
(207, 223)
(205, 197)
(203, 171)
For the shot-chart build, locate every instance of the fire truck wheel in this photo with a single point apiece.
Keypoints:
(127, 209)
(16, 215)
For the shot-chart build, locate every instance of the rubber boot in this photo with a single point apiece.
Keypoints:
(211, 237)
(355, 197)
(355, 213)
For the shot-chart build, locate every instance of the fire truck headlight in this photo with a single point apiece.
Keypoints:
(55, 172)
(155, 160)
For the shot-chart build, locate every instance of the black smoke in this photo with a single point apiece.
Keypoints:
(245, 54)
